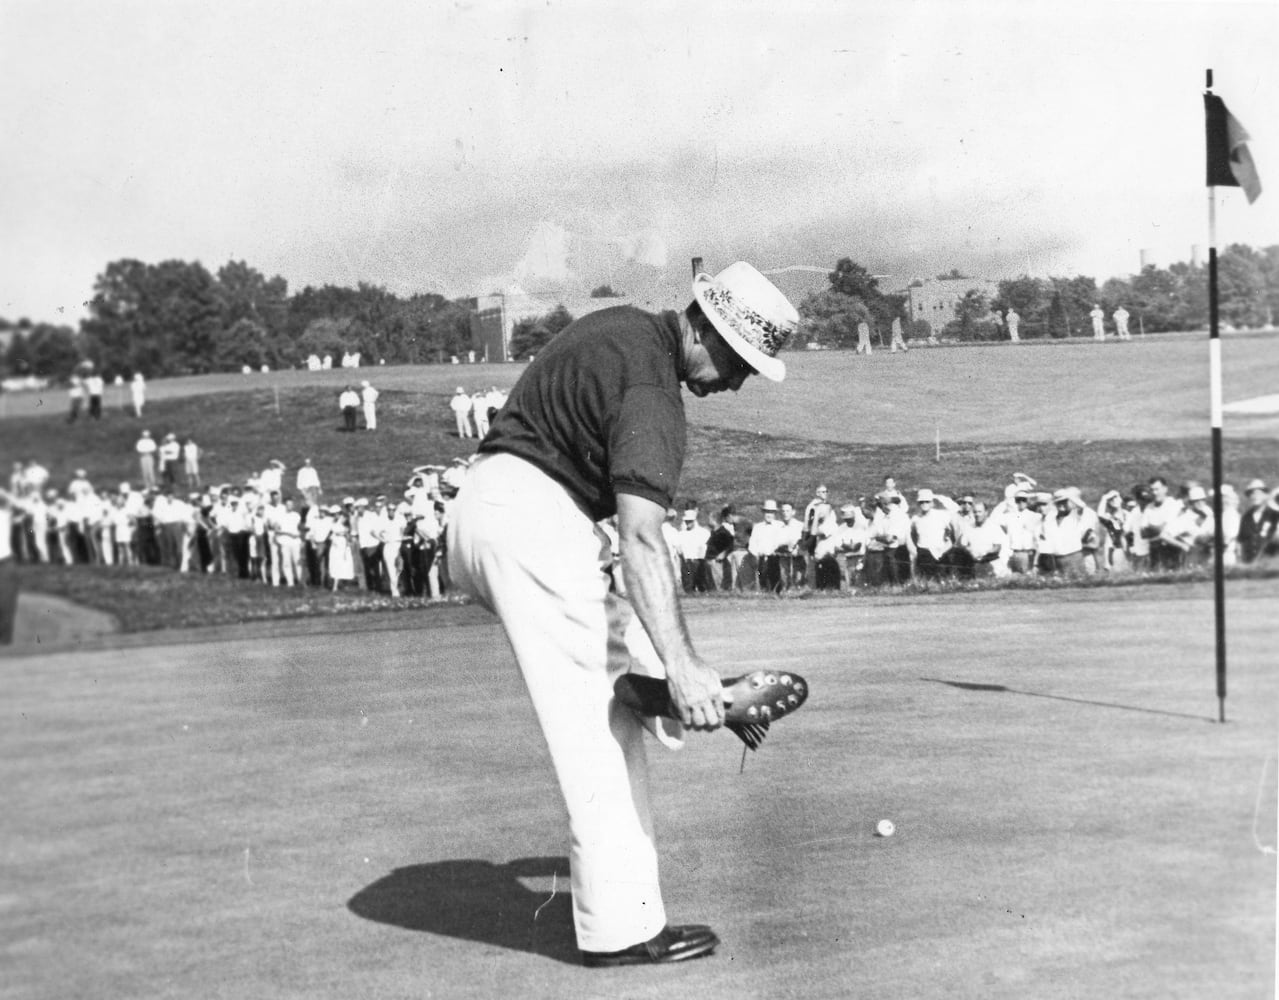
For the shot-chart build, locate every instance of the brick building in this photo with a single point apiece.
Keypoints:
(935, 299)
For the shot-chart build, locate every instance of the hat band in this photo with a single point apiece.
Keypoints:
(757, 330)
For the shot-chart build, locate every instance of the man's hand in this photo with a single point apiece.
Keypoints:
(697, 695)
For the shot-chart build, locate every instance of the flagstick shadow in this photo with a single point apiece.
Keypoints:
(1003, 689)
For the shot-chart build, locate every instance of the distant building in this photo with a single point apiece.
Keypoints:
(493, 317)
(935, 299)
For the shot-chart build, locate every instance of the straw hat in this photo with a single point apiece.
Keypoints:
(754, 318)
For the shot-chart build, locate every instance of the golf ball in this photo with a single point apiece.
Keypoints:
(884, 828)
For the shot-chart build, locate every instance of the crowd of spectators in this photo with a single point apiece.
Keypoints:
(261, 530)
(284, 533)
(879, 540)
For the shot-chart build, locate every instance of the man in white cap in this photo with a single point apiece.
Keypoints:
(596, 426)
(460, 404)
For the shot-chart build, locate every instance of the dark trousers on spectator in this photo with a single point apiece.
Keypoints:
(372, 558)
(8, 600)
(770, 574)
(826, 573)
(240, 553)
(348, 418)
(1164, 556)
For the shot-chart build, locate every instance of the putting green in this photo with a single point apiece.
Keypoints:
(326, 812)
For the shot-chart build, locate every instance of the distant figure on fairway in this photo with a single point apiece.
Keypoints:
(1121, 324)
(1014, 321)
(863, 337)
(95, 387)
(146, 449)
(348, 403)
(460, 404)
(138, 393)
(369, 395)
(191, 463)
(75, 396)
(898, 342)
(1098, 323)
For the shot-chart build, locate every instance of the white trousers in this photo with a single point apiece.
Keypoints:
(520, 546)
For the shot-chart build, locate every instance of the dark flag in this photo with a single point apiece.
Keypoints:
(1229, 161)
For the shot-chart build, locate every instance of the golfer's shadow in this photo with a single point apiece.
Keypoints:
(524, 905)
(1004, 689)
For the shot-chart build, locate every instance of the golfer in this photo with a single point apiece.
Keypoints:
(595, 426)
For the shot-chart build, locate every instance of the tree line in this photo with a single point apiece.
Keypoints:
(175, 317)
(1158, 300)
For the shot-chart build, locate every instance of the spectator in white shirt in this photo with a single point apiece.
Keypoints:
(766, 538)
(308, 484)
(692, 541)
(887, 547)
(138, 393)
(1162, 510)
(460, 404)
(932, 535)
(369, 395)
(146, 449)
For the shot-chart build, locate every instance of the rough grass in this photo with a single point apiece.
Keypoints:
(1096, 416)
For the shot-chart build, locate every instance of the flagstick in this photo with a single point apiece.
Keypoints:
(1214, 375)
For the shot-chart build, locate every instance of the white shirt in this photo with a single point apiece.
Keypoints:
(308, 478)
(692, 540)
(766, 536)
(146, 446)
(460, 403)
(932, 530)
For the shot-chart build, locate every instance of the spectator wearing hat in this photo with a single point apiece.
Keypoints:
(1192, 530)
(692, 543)
(146, 449)
(191, 463)
(170, 454)
(766, 538)
(1257, 523)
(888, 556)
(1064, 535)
(460, 404)
(349, 404)
(369, 395)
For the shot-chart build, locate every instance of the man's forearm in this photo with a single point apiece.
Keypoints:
(650, 585)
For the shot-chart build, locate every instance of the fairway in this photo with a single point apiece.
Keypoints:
(1149, 387)
(362, 808)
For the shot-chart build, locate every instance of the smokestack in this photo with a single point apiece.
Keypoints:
(697, 266)
(1148, 258)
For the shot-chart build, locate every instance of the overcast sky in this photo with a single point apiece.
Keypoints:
(463, 148)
